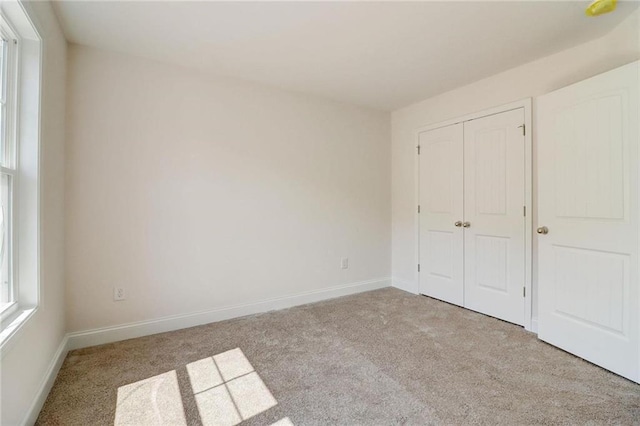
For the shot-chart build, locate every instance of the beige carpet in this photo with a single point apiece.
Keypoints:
(380, 358)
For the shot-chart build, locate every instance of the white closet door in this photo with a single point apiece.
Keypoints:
(588, 219)
(494, 199)
(441, 252)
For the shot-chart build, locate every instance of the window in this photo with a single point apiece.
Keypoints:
(20, 90)
(8, 164)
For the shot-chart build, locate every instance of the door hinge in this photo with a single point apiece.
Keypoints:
(524, 129)
(524, 211)
(524, 292)
(418, 149)
(418, 208)
(418, 267)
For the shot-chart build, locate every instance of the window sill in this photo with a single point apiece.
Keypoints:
(12, 325)
(6, 311)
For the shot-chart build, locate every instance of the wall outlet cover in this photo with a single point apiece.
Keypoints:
(118, 294)
(344, 263)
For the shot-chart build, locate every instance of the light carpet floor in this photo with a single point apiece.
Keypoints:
(384, 357)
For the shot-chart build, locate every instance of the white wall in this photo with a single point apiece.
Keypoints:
(31, 353)
(619, 47)
(195, 193)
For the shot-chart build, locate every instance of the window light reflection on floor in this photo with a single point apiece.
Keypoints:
(153, 401)
(226, 388)
(283, 422)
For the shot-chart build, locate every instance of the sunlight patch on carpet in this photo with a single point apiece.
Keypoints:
(153, 401)
(227, 389)
(283, 422)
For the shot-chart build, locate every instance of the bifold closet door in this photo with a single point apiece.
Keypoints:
(441, 204)
(588, 218)
(494, 199)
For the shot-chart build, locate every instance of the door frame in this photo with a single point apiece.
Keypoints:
(526, 105)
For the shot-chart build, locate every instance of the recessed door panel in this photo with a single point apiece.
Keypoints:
(489, 170)
(588, 201)
(441, 253)
(591, 286)
(590, 172)
(439, 198)
(492, 262)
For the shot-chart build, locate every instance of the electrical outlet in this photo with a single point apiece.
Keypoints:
(118, 294)
(344, 263)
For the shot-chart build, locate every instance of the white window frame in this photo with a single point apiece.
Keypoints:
(18, 23)
(10, 75)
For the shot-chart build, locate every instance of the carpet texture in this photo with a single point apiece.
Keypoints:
(384, 357)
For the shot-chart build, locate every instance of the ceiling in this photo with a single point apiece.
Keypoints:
(375, 54)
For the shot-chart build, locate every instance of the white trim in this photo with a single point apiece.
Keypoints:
(522, 103)
(416, 215)
(27, 134)
(526, 105)
(528, 220)
(404, 285)
(534, 325)
(99, 336)
(12, 86)
(13, 325)
(6, 312)
(47, 383)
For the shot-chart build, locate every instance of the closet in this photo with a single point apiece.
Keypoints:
(472, 213)
(475, 227)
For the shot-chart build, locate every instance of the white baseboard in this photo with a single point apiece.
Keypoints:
(47, 383)
(404, 285)
(99, 336)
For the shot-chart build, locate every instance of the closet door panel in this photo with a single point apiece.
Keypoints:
(494, 239)
(588, 269)
(441, 192)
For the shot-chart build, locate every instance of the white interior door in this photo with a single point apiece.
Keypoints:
(441, 251)
(494, 200)
(588, 219)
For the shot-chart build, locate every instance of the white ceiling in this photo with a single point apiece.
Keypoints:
(381, 55)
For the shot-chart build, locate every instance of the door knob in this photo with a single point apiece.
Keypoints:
(458, 224)
(466, 225)
(543, 230)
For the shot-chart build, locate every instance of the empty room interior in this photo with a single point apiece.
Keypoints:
(320, 213)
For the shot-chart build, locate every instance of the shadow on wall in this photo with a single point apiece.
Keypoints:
(226, 388)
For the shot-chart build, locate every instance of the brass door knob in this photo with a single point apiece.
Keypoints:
(466, 225)
(543, 230)
(458, 224)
